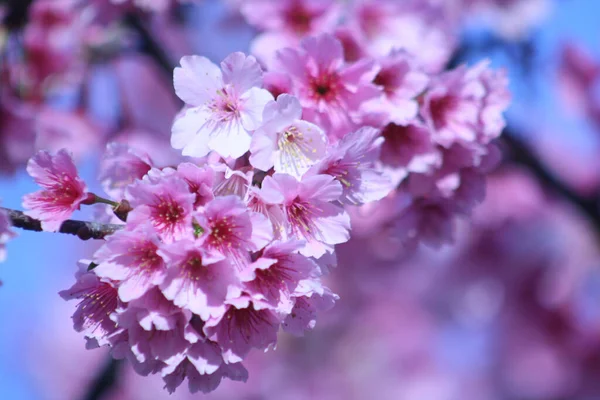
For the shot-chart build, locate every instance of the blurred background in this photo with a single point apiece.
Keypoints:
(510, 310)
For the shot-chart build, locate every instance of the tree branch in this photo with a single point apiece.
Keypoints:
(523, 155)
(150, 45)
(84, 230)
(104, 381)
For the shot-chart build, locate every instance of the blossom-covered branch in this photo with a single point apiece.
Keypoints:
(82, 229)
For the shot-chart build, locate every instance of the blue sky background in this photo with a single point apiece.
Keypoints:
(41, 264)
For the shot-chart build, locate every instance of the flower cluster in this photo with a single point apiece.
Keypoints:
(432, 132)
(201, 274)
(227, 242)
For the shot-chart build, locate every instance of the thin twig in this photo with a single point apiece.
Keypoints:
(84, 230)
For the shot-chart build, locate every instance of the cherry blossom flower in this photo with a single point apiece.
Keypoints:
(231, 232)
(193, 284)
(274, 276)
(266, 202)
(286, 22)
(410, 147)
(229, 181)
(224, 105)
(167, 204)
(307, 303)
(53, 41)
(310, 212)
(401, 82)
(131, 257)
(245, 325)
(121, 165)
(330, 91)
(577, 74)
(155, 343)
(204, 383)
(422, 29)
(351, 162)
(285, 142)
(299, 17)
(63, 191)
(463, 104)
(277, 83)
(56, 129)
(200, 181)
(98, 301)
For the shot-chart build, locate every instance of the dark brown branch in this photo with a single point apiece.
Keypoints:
(150, 45)
(521, 153)
(104, 381)
(84, 230)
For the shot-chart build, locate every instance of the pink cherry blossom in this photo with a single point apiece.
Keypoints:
(298, 17)
(351, 42)
(98, 301)
(303, 316)
(200, 181)
(310, 212)
(274, 276)
(224, 105)
(160, 341)
(204, 355)
(17, 135)
(428, 221)
(465, 104)
(284, 141)
(330, 91)
(229, 181)
(53, 41)
(63, 191)
(244, 326)
(203, 382)
(266, 201)
(193, 284)
(577, 74)
(121, 165)
(286, 22)
(166, 204)
(277, 83)
(231, 231)
(131, 257)
(410, 147)
(351, 162)
(422, 28)
(401, 81)
(56, 129)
